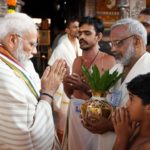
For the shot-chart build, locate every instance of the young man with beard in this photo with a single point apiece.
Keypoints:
(132, 123)
(26, 118)
(90, 33)
(128, 38)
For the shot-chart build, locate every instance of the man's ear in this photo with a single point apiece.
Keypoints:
(100, 36)
(67, 30)
(12, 40)
(137, 41)
(147, 108)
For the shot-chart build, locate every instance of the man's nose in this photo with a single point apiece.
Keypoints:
(34, 51)
(113, 48)
(81, 36)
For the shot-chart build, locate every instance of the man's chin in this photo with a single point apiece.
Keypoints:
(30, 57)
(25, 60)
(84, 49)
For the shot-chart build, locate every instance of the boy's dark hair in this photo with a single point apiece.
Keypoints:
(70, 20)
(140, 86)
(97, 23)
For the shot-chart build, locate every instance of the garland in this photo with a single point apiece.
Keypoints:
(11, 4)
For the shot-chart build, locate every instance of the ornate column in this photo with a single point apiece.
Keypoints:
(136, 6)
(130, 8)
(123, 6)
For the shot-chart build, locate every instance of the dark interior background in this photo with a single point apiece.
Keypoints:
(57, 10)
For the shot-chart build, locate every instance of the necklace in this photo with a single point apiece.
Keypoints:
(102, 65)
(92, 60)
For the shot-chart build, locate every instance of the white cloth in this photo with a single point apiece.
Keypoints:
(62, 38)
(66, 51)
(78, 136)
(25, 123)
(141, 67)
(29, 67)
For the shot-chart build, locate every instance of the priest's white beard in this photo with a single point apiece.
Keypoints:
(126, 59)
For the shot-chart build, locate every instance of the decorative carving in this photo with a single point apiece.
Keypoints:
(108, 11)
(136, 7)
(110, 3)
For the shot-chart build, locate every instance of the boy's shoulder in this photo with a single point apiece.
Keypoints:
(145, 145)
(142, 144)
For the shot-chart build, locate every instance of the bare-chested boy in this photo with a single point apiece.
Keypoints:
(125, 120)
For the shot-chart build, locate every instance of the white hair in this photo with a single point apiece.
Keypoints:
(134, 27)
(18, 23)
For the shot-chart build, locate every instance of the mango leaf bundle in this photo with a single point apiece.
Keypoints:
(98, 82)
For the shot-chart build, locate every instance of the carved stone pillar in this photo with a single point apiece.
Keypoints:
(136, 6)
(123, 6)
(131, 8)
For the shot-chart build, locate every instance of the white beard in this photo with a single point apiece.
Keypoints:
(125, 60)
(20, 54)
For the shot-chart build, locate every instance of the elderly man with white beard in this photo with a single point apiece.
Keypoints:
(26, 120)
(128, 39)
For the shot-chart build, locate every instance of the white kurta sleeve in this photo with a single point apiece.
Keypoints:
(25, 123)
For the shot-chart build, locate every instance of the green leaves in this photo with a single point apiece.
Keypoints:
(99, 82)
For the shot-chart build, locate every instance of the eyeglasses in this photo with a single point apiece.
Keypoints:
(145, 24)
(32, 44)
(119, 42)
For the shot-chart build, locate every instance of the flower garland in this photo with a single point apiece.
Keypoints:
(11, 6)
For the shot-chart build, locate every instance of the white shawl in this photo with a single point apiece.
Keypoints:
(106, 140)
(25, 123)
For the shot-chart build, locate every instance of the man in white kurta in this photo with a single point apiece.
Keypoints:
(141, 67)
(21, 112)
(26, 120)
(68, 49)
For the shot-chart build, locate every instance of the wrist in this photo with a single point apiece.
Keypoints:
(46, 97)
(110, 125)
(121, 143)
(122, 140)
(50, 92)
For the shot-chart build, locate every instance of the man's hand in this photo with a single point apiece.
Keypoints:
(100, 126)
(53, 76)
(75, 81)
